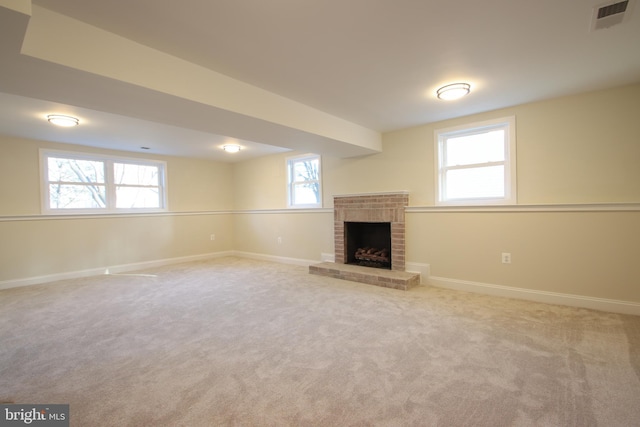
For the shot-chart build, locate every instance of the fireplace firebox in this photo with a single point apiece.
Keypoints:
(368, 244)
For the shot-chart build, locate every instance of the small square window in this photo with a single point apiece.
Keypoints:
(137, 185)
(476, 163)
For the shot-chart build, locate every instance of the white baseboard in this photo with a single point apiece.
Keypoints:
(274, 258)
(162, 262)
(124, 268)
(115, 269)
(37, 280)
(602, 304)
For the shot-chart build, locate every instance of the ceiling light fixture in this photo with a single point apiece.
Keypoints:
(453, 91)
(64, 121)
(231, 148)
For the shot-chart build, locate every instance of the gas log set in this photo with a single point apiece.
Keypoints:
(373, 257)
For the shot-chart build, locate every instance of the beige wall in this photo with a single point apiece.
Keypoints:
(33, 247)
(261, 183)
(200, 204)
(303, 235)
(590, 254)
(576, 151)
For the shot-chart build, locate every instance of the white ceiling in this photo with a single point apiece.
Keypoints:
(375, 63)
(106, 130)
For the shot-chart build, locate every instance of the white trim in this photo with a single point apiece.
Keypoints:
(123, 268)
(274, 258)
(108, 215)
(582, 207)
(116, 269)
(37, 280)
(596, 207)
(603, 304)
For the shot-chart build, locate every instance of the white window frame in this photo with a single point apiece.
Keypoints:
(110, 185)
(290, 161)
(441, 136)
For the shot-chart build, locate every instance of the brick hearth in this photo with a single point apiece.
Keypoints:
(372, 276)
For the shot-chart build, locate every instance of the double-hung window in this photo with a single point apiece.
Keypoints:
(476, 163)
(304, 181)
(90, 183)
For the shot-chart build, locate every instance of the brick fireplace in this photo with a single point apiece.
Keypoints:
(371, 208)
(359, 212)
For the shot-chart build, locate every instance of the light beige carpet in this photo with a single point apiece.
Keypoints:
(249, 343)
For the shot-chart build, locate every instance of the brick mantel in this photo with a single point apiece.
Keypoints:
(372, 207)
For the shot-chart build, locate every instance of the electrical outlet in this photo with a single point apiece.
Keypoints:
(506, 257)
(213, 237)
(279, 239)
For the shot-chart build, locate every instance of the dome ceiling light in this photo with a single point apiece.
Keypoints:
(231, 148)
(453, 91)
(61, 120)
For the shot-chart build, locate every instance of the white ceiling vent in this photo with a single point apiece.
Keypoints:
(606, 15)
